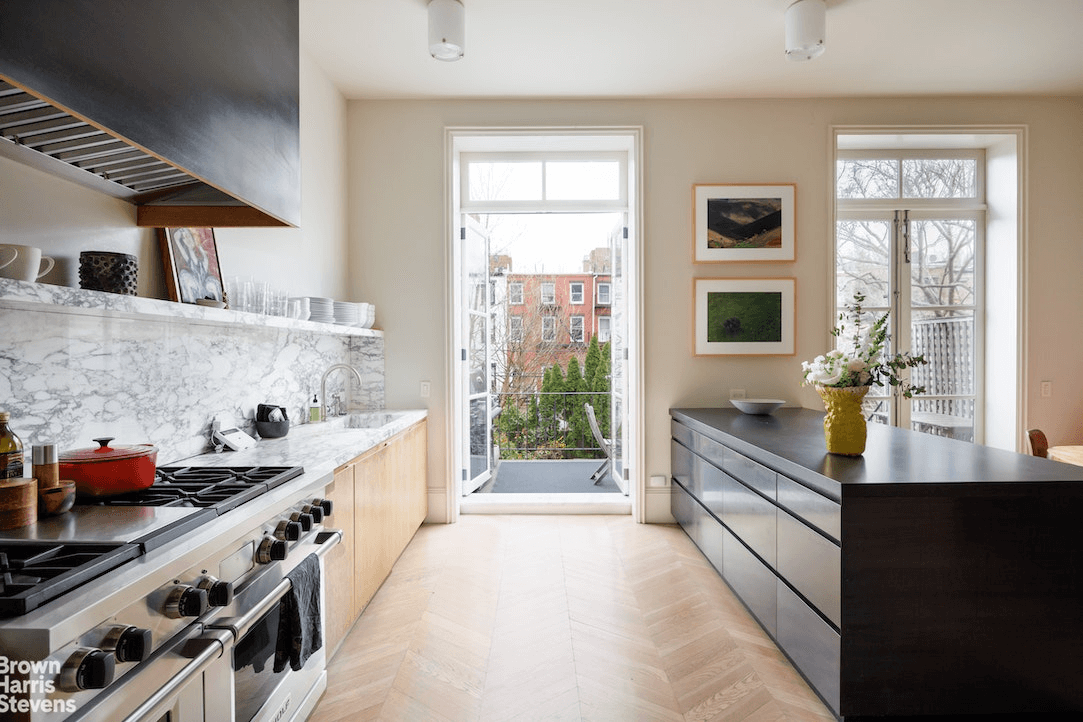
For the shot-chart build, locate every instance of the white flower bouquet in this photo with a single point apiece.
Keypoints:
(859, 359)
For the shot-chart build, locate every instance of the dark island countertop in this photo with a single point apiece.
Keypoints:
(791, 441)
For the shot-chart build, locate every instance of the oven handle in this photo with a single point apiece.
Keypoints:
(239, 626)
(205, 650)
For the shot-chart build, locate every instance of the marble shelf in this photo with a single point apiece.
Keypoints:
(61, 299)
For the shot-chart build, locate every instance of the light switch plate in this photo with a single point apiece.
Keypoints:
(426, 389)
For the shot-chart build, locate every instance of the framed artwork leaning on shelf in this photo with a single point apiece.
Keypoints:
(190, 258)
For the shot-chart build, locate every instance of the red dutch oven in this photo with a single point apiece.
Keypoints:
(109, 470)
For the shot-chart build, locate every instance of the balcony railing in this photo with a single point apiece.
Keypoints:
(548, 425)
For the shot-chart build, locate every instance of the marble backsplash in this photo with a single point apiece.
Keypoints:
(75, 365)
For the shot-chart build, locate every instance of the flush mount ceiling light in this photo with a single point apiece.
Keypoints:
(447, 29)
(806, 23)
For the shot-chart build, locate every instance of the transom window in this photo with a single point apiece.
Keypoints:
(552, 181)
(910, 239)
(575, 291)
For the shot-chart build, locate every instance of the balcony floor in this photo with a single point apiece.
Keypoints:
(570, 476)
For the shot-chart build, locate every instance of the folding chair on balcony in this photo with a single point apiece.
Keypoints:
(606, 445)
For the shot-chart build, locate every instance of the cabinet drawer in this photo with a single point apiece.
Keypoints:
(750, 517)
(682, 433)
(749, 472)
(811, 643)
(703, 529)
(812, 564)
(709, 486)
(753, 582)
(680, 465)
(814, 508)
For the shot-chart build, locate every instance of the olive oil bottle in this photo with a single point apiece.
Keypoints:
(11, 450)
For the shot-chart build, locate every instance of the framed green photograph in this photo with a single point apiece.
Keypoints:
(744, 316)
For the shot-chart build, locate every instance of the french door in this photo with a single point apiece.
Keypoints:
(920, 267)
(475, 356)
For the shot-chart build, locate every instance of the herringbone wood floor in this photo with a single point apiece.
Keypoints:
(559, 618)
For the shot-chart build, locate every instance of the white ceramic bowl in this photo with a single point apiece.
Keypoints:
(757, 406)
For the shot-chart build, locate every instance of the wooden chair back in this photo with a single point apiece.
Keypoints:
(1039, 445)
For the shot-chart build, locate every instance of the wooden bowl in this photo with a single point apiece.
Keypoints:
(57, 499)
(18, 503)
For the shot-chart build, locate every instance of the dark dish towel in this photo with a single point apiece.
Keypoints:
(299, 625)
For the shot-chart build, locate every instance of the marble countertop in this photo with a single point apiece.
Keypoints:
(320, 448)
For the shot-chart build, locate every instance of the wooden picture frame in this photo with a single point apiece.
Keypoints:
(743, 223)
(744, 317)
(190, 259)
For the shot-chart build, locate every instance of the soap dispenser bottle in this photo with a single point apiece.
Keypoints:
(314, 410)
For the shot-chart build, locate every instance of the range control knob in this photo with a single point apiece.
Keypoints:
(324, 504)
(186, 601)
(129, 644)
(288, 530)
(87, 668)
(315, 511)
(305, 520)
(219, 593)
(271, 550)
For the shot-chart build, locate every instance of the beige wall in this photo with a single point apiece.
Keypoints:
(64, 218)
(397, 216)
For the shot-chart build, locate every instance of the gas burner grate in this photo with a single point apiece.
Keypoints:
(219, 488)
(34, 572)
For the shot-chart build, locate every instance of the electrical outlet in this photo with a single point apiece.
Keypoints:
(426, 389)
(1047, 389)
(737, 393)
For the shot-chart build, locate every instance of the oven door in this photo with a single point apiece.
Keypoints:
(261, 694)
(187, 680)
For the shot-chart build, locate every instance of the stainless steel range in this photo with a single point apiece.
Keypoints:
(167, 604)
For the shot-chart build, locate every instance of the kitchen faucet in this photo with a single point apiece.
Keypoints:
(323, 386)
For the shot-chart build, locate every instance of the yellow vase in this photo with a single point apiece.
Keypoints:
(844, 424)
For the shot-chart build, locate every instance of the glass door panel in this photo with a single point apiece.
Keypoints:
(477, 451)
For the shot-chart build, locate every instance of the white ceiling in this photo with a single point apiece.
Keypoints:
(699, 49)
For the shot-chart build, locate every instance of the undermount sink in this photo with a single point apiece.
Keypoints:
(371, 419)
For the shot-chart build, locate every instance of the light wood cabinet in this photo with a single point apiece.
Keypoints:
(381, 498)
(339, 564)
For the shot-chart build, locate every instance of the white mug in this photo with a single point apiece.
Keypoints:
(26, 264)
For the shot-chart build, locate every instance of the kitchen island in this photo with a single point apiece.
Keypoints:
(928, 576)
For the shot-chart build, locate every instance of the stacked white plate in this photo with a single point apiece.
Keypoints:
(321, 310)
(346, 313)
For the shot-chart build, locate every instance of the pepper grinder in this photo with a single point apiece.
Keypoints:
(46, 465)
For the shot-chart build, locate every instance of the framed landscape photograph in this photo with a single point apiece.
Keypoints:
(190, 257)
(742, 223)
(744, 316)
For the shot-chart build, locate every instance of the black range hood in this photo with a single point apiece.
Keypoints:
(189, 110)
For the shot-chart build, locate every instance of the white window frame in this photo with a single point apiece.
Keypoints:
(575, 327)
(515, 293)
(605, 329)
(573, 294)
(549, 329)
(547, 293)
(608, 299)
(515, 328)
(901, 307)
